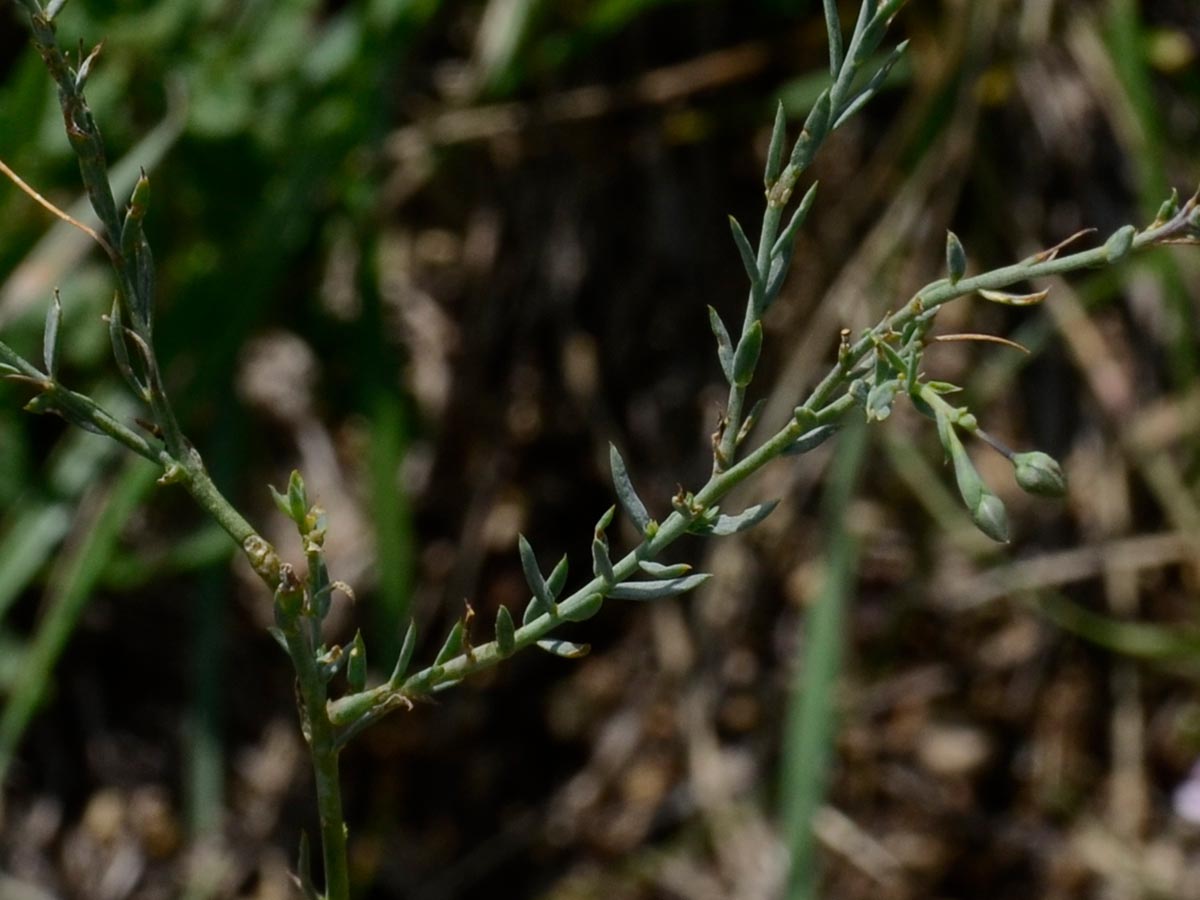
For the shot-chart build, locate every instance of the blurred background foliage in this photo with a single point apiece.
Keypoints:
(436, 255)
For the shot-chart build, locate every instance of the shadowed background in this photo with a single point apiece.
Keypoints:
(436, 255)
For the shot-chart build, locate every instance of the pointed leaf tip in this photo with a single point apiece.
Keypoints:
(506, 641)
(406, 654)
(744, 521)
(626, 495)
(657, 590)
(453, 645)
(50, 337)
(775, 150)
(543, 601)
(956, 257)
(745, 358)
(356, 665)
(724, 343)
(565, 649)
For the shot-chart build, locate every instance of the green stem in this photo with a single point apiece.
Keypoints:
(323, 748)
(845, 70)
(938, 293)
(352, 713)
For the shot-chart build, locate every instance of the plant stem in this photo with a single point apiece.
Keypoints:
(323, 748)
(938, 293)
(354, 712)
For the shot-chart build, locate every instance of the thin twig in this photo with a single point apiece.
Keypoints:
(42, 201)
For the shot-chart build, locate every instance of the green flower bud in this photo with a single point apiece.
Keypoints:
(989, 516)
(1039, 473)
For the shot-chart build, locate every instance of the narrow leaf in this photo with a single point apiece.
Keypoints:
(136, 252)
(893, 357)
(751, 420)
(872, 87)
(406, 654)
(780, 266)
(356, 665)
(565, 649)
(745, 520)
(604, 521)
(116, 337)
(506, 640)
(745, 358)
(788, 237)
(833, 25)
(589, 607)
(297, 498)
(85, 68)
(304, 869)
(601, 563)
(627, 496)
(748, 260)
(810, 440)
(558, 578)
(50, 337)
(956, 257)
(656, 590)
(281, 501)
(533, 576)
(1007, 299)
(724, 343)
(453, 645)
(775, 151)
(816, 126)
(658, 570)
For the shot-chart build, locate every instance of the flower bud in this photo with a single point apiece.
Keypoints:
(1039, 473)
(989, 516)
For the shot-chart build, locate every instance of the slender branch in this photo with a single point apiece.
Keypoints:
(54, 210)
(928, 299)
(354, 712)
(321, 736)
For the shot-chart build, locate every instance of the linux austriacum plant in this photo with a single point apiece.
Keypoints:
(873, 371)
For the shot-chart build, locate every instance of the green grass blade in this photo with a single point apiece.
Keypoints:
(809, 735)
(67, 599)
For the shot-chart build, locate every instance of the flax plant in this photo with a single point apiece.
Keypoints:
(873, 371)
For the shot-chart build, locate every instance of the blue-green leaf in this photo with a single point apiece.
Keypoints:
(775, 151)
(749, 263)
(724, 343)
(956, 257)
(810, 440)
(658, 570)
(558, 578)
(745, 520)
(565, 649)
(589, 607)
(543, 601)
(453, 645)
(601, 563)
(655, 590)
(50, 337)
(627, 496)
(788, 237)
(506, 640)
(406, 654)
(745, 358)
